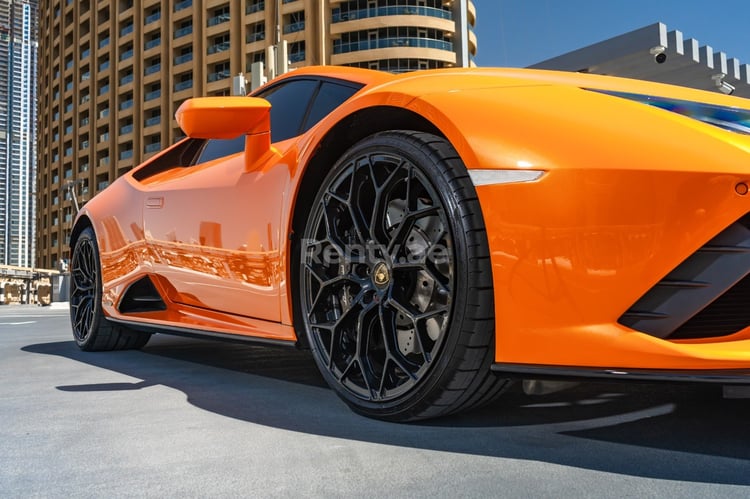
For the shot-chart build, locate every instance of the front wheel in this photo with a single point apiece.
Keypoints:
(91, 330)
(395, 289)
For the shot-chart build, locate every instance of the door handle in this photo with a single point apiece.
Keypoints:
(155, 203)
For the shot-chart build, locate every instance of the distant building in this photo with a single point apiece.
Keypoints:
(18, 46)
(114, 72)
(653, 53)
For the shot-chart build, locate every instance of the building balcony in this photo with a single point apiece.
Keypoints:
(256, 7)
(152, 43)
(393, 48)
(218, 47)
(380, 43)
(183, 58)
(256, 37)
(126, 30)
(221, 18)
(178, 33)
(184, 4)
(218, 75)
(294, 27)
(152, 18)
(154, 68)
(444, 24)
(153, 121)
(394, 10)
(154, 94)
(183, 85)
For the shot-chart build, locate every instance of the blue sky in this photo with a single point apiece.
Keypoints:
(518, 33)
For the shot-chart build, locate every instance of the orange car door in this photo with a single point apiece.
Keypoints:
(214, 229)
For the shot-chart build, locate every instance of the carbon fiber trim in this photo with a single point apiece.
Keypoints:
(707, 295)
(724, 377)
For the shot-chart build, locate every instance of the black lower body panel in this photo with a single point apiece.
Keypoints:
(722, 376)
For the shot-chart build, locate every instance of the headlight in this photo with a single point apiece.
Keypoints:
(729, 118)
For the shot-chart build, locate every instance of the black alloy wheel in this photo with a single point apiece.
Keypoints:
(83, 289)
(91, 330)
(394, 269)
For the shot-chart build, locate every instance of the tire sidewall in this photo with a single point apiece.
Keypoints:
(86, 343)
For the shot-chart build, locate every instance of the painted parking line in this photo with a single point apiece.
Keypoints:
(17, 323)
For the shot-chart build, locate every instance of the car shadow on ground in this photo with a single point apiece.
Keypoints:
(672, 432)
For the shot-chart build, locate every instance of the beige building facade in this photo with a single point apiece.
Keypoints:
(112, 74)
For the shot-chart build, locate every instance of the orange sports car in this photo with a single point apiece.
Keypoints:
(431, 235)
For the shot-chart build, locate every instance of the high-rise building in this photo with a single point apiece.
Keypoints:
(114, 72)
(18, 56)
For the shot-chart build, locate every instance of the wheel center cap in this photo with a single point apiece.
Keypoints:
(381, 276)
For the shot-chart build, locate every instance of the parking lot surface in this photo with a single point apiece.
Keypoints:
(194, 418)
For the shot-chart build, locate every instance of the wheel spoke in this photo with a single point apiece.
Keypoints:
(388, 325)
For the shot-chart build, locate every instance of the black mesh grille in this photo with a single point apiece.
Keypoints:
(727, 315)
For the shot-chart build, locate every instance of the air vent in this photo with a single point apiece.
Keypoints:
(706, 296)
(141, 296)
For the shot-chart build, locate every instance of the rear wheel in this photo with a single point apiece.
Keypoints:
(395, 281)
(91, 330)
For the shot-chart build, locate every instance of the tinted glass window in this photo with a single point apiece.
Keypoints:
(218, 148)
(289, 102)
(330, 96)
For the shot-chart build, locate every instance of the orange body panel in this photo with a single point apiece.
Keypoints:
(628, 192)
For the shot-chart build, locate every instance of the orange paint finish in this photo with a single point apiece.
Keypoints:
(223, 117)
(628, 192)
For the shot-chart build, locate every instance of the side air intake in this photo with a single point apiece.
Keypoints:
(141, 296)
(706, 296)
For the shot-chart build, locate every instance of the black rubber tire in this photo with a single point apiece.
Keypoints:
(457, 376)
(91, 330)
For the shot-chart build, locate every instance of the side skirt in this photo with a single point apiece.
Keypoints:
(201, 333)
(723, 376)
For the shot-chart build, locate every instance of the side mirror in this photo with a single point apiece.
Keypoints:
(227, 118)
(224, 117)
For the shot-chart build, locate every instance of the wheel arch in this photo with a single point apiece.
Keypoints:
(81, 224)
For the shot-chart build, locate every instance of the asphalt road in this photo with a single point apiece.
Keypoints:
(193, 418)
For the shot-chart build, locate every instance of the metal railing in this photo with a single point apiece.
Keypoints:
(395, 10)
(183, 58)
(154, 120)
(186, 30)
(218, 47)
(152, 43)
(154, 94)
(254, 37)
(184, 4)
(255, 7)
(218, 75)
(152, 69)
(153, 17)
(294, 27)
(401, 41)
(183, 85)
(221, 18)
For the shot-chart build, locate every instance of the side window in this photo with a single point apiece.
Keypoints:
(330, 96)
(289, 113)
(289, 103)
(218, 148)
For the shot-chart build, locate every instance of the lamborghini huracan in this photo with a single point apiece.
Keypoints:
(431, 236)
